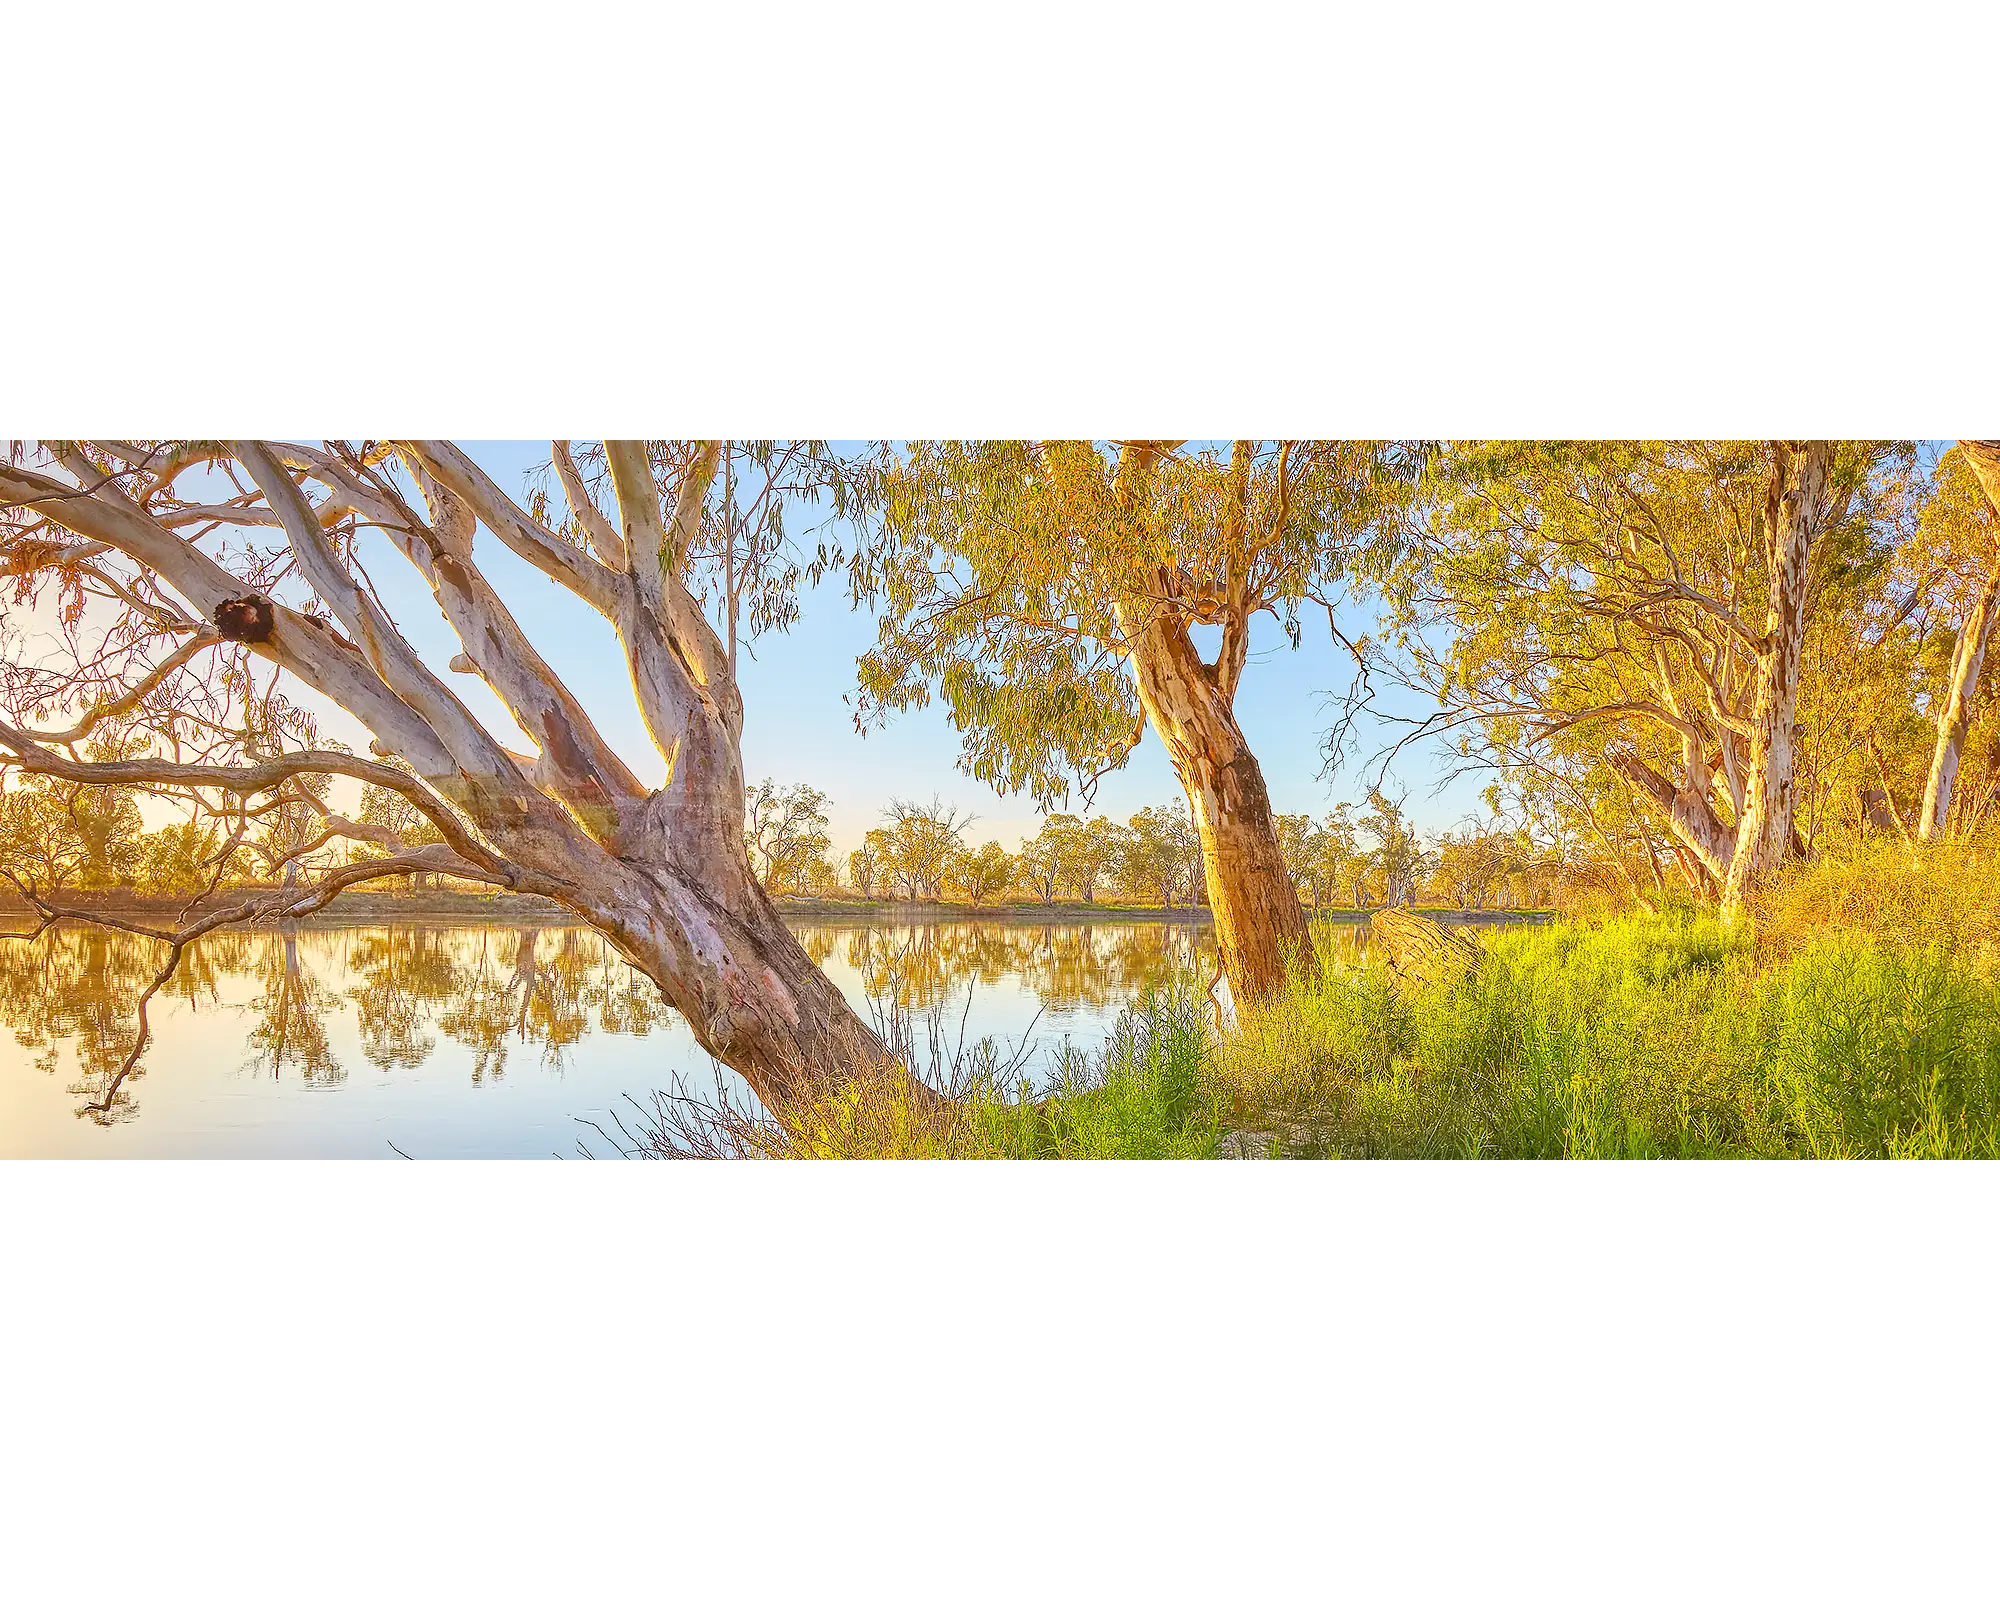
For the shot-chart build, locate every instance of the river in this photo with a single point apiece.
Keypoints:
(486, 1040)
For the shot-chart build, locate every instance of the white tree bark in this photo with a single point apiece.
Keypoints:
(1954, 716)
(663, 874)
(1796, 516)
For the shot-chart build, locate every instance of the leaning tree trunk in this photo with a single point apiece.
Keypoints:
(751, 994)
(1795, 517)
(1260, 927)
(686, 908)
(664, 874)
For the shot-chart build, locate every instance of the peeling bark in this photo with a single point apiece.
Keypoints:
(1260, 927)
(1796, 516)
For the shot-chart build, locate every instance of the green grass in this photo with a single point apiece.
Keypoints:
(1645, 1037)
(1141, 1099)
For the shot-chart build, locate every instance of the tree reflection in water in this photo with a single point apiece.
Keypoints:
(71, 995)
(80, 986)
(1067, 966)
(291, 1014)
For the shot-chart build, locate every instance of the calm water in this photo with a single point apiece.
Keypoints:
(473, 1041)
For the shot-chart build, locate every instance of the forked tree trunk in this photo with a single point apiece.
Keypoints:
(1260, 927)
(1795, 518)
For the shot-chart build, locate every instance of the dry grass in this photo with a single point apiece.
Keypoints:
(1943, 896)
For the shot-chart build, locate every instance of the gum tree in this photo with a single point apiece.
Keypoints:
(788, 833)
(1962, 525)
(1642, 607)
(1160, 859)
(917, 844)
(1040, 867)
(1076, 854)
(1062, 596)
(983, 874)
(204, 575)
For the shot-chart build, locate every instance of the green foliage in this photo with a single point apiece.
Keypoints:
(108, 826)
(1324, 858)
(174, 860)
(1884, 1052)
(1660, 1036)
(786, 831)
(1161, 857)
(864, 865)
(40, 851)
(1072, 854)
(1588, 614)
(918, 846)
(1141, 1099)
(1394, 852)
(1472, 863)
(1012, 574)
(980, 875)
(63, 835)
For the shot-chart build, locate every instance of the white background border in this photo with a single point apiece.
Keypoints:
(895, 220)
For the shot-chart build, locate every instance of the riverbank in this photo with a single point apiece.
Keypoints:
(1100, 911)
(456, 906)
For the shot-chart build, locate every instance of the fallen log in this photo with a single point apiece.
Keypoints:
(1417, 950)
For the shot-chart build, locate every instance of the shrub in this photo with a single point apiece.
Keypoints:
(1944, 895)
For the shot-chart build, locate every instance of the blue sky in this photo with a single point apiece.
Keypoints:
(799, 724)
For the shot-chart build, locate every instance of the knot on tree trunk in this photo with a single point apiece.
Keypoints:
(1417, 950)
(248, 619)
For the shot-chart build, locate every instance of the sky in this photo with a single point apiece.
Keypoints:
(799, 686)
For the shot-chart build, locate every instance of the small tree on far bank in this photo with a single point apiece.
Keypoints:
(1161, 856)
(1397, 855)
(1471, 862)
(786, 831)
(980, 875)
(1079, 854)
(40, 850)
(1297, 841)
(1040, 868)
(918, 844)
(177, 859)
(864, 866)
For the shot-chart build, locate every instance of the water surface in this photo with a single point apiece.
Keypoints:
(489, 1040)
